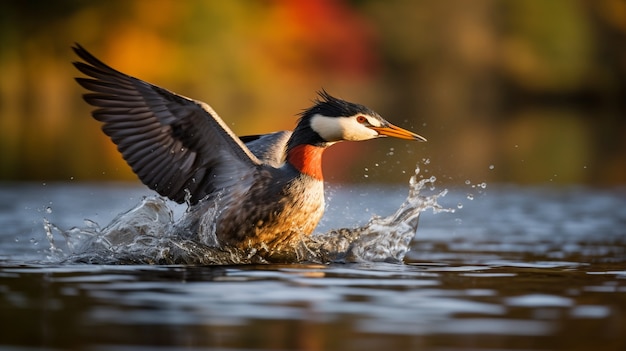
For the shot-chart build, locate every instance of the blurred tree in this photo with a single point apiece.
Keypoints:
(240, 56)
(536, 88)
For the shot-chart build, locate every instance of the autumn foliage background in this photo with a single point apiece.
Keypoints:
(507, 91)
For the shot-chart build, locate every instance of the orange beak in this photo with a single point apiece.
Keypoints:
(397, 132)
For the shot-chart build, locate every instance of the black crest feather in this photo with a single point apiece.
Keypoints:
(330, 106)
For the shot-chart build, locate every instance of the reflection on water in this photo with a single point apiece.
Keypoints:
(336, 307)
(514, 268)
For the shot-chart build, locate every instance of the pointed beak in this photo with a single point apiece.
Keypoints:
(397, 132)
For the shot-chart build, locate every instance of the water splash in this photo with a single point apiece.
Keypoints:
(150, 234)
(382, 238)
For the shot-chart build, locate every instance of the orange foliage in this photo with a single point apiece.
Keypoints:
(483, 80)
(326, 35)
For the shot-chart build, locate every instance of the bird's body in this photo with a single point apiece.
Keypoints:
(266, 191)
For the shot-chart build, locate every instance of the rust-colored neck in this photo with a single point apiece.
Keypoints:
(307, 159)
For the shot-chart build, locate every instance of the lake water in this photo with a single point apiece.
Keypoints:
(512, 268)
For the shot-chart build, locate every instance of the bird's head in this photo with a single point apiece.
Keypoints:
(331, 120)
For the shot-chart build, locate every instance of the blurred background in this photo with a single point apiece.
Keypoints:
(504, 90)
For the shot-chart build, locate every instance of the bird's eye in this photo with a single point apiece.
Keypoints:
(361, 119)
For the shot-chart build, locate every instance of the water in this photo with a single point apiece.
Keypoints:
(150, 233)
(512, 268)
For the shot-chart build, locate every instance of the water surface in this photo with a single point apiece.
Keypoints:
(512, 268)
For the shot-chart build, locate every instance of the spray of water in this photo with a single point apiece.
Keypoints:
(150, 234)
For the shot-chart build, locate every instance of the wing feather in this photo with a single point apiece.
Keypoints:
(270, 148)
(171, 142)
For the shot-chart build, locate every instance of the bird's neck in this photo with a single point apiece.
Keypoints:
(307, 159)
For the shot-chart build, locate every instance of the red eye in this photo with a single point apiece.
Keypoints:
(361, 119)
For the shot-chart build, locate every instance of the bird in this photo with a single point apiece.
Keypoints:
(267, 190)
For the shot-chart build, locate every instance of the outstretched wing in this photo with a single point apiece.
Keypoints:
(173, 143)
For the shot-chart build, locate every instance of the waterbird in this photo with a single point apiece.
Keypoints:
(267, 189)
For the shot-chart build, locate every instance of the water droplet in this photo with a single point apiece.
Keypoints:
(375, 164)
(483, 185)
(470, 196)
(468, 182)
(459, 206)
(426, 161)
(365, 176)
(48, 209)
(492, 166)
(432, 179)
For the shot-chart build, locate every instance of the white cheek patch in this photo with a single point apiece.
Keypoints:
(342, 128)
(355, 131)
(328, 128)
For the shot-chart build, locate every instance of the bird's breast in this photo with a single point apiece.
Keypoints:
(273, 212)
